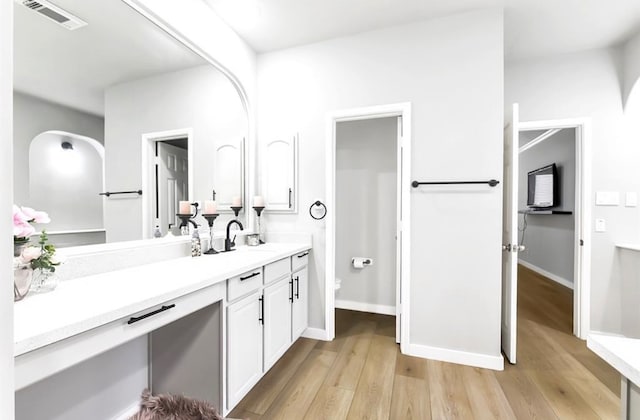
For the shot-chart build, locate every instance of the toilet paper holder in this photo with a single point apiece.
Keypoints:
(361, 262)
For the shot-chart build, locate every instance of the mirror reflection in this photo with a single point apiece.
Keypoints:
(118, 105)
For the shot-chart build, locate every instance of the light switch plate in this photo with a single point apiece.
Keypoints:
(631, 199)
(607, 198)
(601, 225)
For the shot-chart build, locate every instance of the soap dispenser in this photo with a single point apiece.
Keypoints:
(196, 246)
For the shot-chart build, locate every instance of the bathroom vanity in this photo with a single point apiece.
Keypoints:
(215, 324)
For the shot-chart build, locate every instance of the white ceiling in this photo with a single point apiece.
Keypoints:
(74, 68)
(532, 27)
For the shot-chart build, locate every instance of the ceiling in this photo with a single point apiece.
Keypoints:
(533, 28)
(73, 68)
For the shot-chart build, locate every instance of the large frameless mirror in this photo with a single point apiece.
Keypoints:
(115, 122)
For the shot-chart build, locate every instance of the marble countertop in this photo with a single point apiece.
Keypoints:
(81, 304)
(623, 353)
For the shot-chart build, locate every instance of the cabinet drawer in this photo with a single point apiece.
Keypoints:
(244, 283)
(276, 270)
(299, 260)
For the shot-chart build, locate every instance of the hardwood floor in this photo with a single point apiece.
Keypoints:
(363, 375)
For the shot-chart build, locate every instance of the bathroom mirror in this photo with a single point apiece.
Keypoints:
(107, 102)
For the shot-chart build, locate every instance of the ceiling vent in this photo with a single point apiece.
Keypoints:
(53, 12)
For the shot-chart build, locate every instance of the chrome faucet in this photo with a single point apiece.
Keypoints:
(228, 243)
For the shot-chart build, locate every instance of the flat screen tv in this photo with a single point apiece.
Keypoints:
(543, 187)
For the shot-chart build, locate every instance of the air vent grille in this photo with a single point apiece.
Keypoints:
(54, 13)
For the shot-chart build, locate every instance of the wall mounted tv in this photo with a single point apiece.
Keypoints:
(543, 187)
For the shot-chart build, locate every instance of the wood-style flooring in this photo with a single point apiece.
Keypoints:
(363, 375)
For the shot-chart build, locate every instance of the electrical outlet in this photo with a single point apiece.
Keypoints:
(631, 199)
(601, 225)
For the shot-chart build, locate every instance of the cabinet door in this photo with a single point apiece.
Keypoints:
(277, 320)
(279, 168)
(300, 316)
(228, 171)
(244, 347)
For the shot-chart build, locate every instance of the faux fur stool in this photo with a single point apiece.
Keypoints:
(174, 407)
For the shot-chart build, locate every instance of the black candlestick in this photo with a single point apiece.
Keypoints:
(210, 219)
(258, 210)
(236, 209)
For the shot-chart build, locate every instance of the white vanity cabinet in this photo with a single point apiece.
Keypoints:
(300, 302)
(244, 346)
(277, 320)
(279, 174)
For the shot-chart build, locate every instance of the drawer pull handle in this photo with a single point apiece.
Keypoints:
(249, 276)
(157, 311)
(303, 255)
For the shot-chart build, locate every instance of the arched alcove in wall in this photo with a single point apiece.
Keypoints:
(66, 174)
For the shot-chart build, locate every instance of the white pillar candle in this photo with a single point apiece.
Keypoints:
(184, 207)
(258, 201)
(235, 202)
(210, 207)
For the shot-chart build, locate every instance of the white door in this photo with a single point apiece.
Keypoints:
(399, 232)
(300, 316)
(278, 298)
(510, 237)
(244, 347)
(279, 174)
(172, 184)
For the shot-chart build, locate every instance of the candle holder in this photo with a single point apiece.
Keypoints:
(236, 209)
(210, 219)
(185, 219)
(258, 210)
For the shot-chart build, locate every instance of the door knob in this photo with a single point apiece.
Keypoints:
(519, 248)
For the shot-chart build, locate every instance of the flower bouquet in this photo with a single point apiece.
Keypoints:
(31, 261)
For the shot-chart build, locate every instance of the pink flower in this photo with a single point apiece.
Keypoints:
(31, 253)
(36, 216)
(23, 230)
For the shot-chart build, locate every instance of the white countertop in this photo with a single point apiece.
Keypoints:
(623, 353)
(81, 304)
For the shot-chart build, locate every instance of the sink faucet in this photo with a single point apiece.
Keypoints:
(228, 243)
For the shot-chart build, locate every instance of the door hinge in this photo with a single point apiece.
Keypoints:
(581, 242)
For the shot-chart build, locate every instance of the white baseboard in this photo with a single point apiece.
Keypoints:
(365, 307)
(547, 274)
(456, 356)
(315, 334)
(128, 412)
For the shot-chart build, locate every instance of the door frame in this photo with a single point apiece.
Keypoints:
(148, 154)
(582, 231)
(402, 110)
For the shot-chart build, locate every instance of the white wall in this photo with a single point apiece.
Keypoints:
(451, 70)
(549, 238)
(588, 84)
(200, 98)
(33, 116)
(6, 201)
(366, 178)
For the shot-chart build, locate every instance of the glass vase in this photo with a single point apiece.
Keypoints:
(22, 277)
(44, 281)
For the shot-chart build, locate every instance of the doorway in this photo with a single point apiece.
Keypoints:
(167, 177)
(400, 116)
(559, 139)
